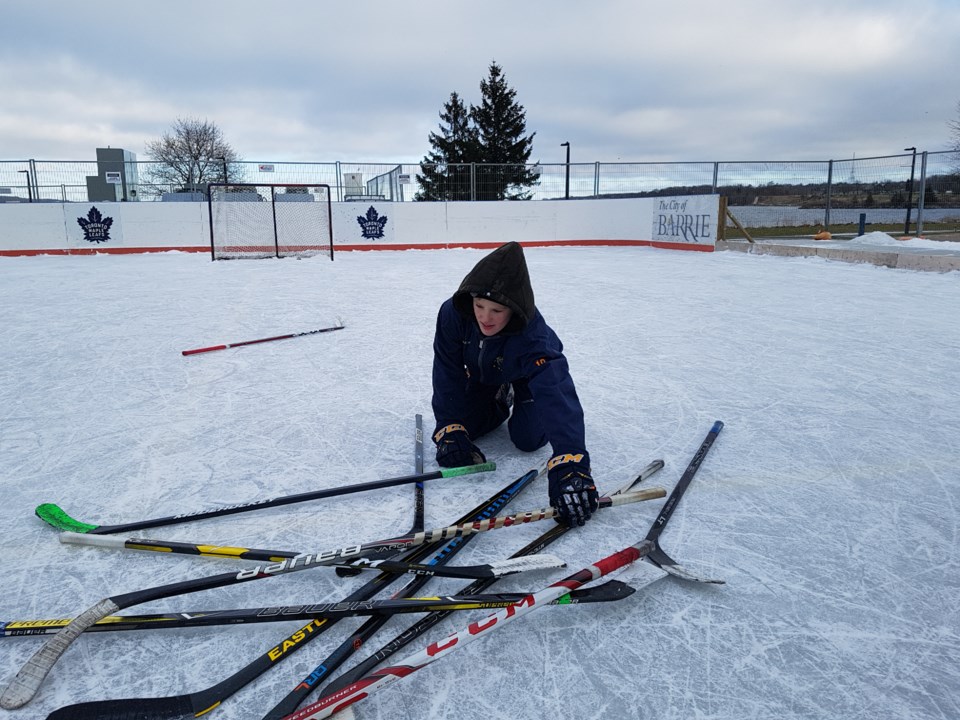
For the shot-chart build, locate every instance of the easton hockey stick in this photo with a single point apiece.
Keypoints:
(53, 515)
(610, 591)
(197, 351)
(190, 705)
(293, 699)
(429, 621)
(351, 644)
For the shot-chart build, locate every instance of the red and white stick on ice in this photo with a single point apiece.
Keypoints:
(434, 651)
(338, 326)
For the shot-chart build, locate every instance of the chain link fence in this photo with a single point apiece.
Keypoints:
(920, 190)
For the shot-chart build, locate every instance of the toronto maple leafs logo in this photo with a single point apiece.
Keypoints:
(96, 227)
(372, 224)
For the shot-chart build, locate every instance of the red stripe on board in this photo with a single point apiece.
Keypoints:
(349, 248)
(104, 251)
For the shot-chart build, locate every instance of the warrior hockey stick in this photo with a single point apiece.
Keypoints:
(197, 351)
(53, 515)
(181, 707)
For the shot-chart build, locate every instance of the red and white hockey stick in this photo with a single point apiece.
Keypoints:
(436, 650)
(338, 326)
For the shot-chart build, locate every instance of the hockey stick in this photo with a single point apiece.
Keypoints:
(28, 680)
(197, 351)
(182, 707)
(429, 621)
(352, 554)
(657, 556)
(361, 688)
(608, 592)
(55, 516)
(434, 651)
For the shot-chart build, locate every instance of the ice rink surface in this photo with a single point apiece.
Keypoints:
(829, 503)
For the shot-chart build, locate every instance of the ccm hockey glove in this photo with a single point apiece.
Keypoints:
(572, 491)
(454, 448)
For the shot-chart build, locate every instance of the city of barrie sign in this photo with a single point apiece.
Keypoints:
(685, 219)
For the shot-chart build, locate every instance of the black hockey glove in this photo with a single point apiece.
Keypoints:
(454, 448)
(572, 491)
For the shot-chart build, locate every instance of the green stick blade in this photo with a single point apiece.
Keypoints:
(467, 469)
(53, 515)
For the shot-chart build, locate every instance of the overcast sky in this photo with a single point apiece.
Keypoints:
(364, 80)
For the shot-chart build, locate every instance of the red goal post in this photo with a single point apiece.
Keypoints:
(257, 220)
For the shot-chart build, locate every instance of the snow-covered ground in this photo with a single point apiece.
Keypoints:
(829, 502)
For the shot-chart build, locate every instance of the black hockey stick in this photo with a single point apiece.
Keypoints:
(608, 592)
(657, 556)
(53, 515)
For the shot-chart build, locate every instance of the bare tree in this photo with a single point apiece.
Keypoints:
(193, 154)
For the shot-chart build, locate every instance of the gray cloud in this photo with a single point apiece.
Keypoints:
(619, 80)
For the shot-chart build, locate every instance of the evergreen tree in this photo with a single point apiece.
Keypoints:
(503, 148)
(445, 170)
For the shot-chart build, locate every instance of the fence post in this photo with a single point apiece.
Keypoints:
(923, 189)
(473, 181)
(826, 212)
(716, 174)
(596, 179)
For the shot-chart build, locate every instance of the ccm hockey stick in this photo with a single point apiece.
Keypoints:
(434, 651)
(346, 695)
(429, 621)
(53, 515)
(190, 705)
(197, 351)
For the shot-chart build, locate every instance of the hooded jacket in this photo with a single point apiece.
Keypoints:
(526, 349)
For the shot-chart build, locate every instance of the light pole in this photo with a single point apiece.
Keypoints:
(913, 166)
(29, 189)
(566, 184)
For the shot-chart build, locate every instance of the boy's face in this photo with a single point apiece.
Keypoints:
(491, 317)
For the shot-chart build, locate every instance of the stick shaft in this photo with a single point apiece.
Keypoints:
(226, 346)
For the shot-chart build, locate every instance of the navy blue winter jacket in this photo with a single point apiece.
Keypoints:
(463, 355)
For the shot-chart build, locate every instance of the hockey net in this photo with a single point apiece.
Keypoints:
(269, 220)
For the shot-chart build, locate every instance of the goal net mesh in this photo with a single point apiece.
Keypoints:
(257, 221)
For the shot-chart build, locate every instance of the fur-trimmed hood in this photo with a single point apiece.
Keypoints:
(502, 277)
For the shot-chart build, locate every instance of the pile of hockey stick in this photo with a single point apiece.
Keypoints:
(422, 553)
